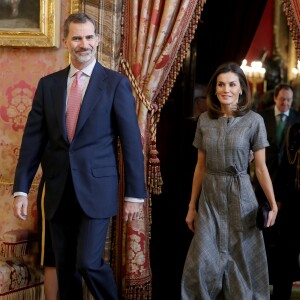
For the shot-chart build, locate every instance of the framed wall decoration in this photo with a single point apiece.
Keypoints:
(76, 6)
(30, 23)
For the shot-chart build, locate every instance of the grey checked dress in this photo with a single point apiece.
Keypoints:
(226, 258)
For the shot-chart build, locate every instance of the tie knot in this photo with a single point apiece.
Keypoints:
(280, 118)
(76, 81)
(78, 75)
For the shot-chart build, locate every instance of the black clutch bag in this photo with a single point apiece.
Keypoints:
(262, 215)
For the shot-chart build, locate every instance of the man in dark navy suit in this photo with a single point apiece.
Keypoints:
(81, 173)
(288, 248)
(283, 98)
(283, 112)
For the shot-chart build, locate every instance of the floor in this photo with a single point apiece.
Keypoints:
(295, 291)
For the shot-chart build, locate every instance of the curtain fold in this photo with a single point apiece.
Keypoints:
(292, 10)
(156, 37)
(152, 60)
(239, 19)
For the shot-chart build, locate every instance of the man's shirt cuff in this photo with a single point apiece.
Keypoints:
(20, 194)
(131, 199)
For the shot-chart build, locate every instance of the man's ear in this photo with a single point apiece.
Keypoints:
(64, 42)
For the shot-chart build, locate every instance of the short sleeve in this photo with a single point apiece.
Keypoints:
(198, 139)
(259, 136)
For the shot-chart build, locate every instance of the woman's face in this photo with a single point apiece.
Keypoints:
(228, 90)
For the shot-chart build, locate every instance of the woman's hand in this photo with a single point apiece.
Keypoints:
(272, 217)
(191, 218)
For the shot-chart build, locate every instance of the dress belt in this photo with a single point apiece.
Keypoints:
(234, 199)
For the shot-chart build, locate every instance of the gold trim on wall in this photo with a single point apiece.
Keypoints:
(281, 30)
(283, 42)
(76, 6)
(47, 35)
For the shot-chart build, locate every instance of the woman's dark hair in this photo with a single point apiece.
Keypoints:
(79, 18)
(245, 101)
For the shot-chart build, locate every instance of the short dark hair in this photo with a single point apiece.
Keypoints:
(80, 18)
(245, 101)
(282, 86)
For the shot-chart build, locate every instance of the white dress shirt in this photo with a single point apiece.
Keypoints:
(277, 113)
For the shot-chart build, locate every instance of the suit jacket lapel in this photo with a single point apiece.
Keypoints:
(289, 121)
(92, 95)
(59, 98)
(270, 122)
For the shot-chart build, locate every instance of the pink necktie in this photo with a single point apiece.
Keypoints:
(73, 106)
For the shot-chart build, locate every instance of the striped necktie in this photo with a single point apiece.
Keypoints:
(279, 129)
(73, 106)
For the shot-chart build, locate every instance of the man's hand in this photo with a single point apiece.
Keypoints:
(20, 207)
(132, 210)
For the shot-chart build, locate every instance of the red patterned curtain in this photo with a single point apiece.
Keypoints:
(292, 10)
(156, 36)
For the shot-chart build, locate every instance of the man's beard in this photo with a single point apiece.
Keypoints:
(85, 58)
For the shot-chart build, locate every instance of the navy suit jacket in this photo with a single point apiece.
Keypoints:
(274, 152)
(108, 111)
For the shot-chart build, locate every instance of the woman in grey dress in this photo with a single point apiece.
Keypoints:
(226, 258)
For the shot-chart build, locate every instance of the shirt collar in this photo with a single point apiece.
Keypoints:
(87, 70)
(277, 112)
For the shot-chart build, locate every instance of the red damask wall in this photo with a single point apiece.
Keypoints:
(20, 70)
